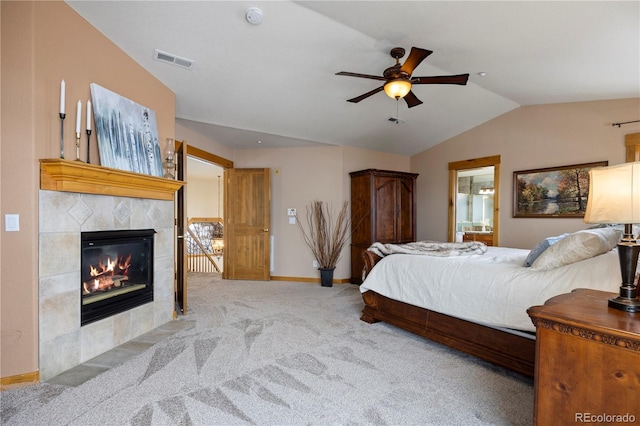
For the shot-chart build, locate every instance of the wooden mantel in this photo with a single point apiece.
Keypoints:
(77, 176)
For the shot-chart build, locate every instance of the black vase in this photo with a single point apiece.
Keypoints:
(326, 277)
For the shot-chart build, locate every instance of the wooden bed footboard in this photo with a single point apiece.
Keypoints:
(370, 259)
(510, 350)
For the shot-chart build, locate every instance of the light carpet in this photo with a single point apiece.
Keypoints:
(282, 353)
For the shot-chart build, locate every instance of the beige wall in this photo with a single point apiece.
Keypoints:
(43, 43)
(529, 137)
(204, 200)
(301, 175)
(203, 142)
(526, 138)
(18, 316)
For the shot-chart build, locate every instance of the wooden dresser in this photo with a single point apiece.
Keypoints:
(383, 209)
(587, 367)
(483, 237)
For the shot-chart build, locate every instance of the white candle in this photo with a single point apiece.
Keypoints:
(78, 112)
(62, 87)
(88, 115)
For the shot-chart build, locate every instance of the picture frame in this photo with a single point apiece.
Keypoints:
(552, 192)
(127, 133)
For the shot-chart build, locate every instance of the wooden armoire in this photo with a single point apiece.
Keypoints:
(383, 209)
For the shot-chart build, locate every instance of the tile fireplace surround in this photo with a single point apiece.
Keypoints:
(63, 343)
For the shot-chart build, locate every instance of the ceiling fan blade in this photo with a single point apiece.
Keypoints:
(353, 74)
(366, 95)
(416, 56)
(412, 100)
(460, 79)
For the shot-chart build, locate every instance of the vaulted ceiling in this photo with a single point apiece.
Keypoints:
(275, 82)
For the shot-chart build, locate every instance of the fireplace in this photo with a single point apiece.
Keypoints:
(117, 272)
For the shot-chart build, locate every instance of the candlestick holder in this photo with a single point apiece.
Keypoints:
(62, 115)
(78, 146)
(88, 145)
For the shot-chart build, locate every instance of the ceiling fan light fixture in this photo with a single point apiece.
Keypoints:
(397, 88)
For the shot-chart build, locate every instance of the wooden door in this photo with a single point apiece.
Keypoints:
(181, 229)
(247, 199)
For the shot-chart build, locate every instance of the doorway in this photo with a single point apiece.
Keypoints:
(474, 197)
(183, 154)
(246, 220)
(205, 216)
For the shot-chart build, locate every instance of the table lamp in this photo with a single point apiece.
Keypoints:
(614, 198)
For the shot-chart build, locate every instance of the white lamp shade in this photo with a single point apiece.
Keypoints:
(614, 194)
(397, 88)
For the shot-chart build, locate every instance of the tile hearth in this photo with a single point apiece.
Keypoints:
(118, 355)
(64, 344)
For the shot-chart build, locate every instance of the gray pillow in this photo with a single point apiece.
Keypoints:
(578, 246)
(541, 247)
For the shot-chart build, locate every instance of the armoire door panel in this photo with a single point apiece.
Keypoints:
(361, 219)
(382, 210)
(405, 221)
(385, 209)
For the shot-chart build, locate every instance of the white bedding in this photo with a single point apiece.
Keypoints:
(493, 288)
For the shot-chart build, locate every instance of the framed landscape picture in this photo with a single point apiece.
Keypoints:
(127, 133)
(552, 192)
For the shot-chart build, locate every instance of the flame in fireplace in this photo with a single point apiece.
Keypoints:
(107, 274)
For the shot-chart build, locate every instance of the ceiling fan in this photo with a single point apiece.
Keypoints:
(398, 79)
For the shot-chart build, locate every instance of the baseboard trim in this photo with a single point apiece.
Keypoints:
(19, 380)
(308, 280)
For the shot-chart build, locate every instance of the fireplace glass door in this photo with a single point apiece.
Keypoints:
(117, 272)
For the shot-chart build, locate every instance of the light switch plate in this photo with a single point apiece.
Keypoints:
(11, 222)
(291, 212)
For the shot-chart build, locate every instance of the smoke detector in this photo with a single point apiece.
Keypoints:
(254, 15)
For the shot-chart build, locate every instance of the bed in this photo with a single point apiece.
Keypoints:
(478, 303)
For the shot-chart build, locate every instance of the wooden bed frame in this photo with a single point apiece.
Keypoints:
(510, 350)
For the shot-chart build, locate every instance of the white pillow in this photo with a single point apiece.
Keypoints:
(578, 246)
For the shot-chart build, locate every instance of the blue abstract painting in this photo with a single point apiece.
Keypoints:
(127, 133)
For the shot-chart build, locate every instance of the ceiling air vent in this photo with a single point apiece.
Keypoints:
(169, 58)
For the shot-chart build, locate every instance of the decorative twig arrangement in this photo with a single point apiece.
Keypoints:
(326, 237)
